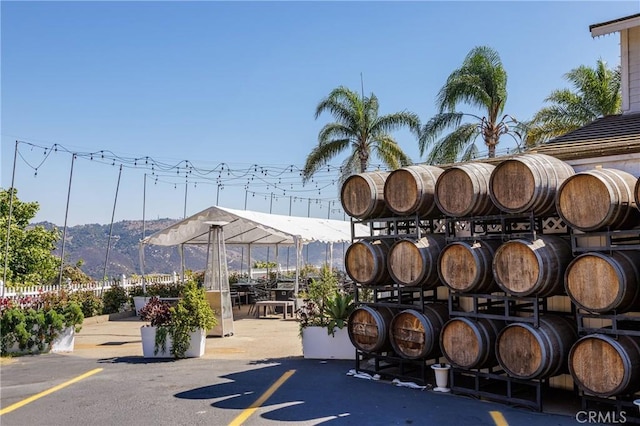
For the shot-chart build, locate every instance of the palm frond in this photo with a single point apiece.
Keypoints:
(446, 150)
(321, 155)
(435, 126)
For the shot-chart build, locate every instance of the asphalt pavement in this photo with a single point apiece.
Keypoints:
(257, 376)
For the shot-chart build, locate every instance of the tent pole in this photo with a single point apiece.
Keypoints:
(249, 268)
(296, 243)
(182, 262)
(141, 256)
(277, 264)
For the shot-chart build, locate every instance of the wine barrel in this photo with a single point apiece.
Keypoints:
(605, 365)
(368, 328)
(415, 334)
(366, 262)
(362, 195)
(596, 199)
(463, 190)
(470, 343)
(415, 263)
(528, 183)
(602, 282)
(526, 267)
(411, 190)
(529, 352)
(465, 266)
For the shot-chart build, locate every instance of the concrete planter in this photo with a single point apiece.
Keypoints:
(148, 334)
(139, 302)
(318, 344)
(65, 341)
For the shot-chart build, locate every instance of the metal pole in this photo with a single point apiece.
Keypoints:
(6, 248)
(144, 232)
(66, 215)
(288, 248)
(326, 247)
(308, 215)
(217, 194)
(144, 206)
(186, 186)
(269, 247)
(246, 194)
(113, 213)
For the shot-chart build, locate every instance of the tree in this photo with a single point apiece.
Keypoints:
(597, 94)
(480, 82)
(358, 127)
(30, 257)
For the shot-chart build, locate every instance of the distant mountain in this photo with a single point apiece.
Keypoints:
(89, 243)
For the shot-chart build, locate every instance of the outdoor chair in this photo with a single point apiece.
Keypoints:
(257, 294)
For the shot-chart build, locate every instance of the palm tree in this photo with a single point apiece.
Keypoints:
(597, 94)
(359, 129)
(480, 82)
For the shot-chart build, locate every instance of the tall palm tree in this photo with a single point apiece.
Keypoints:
(358, 128)
(597, 94)
(480, 82)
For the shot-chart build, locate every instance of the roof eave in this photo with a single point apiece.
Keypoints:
(614, 26)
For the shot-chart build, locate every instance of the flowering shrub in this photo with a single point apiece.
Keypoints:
(325, 305)
(157, 312)
(191, 313)
(33, 323)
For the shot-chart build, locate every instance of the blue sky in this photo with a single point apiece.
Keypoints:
(236, 84)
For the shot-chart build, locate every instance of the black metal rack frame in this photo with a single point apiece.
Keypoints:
(628, 239)
(614, 406)
(488, 306)
(398, 227)
(621, 324)
(400, 297)
(496, 385)
(502, 226)
(396, 367)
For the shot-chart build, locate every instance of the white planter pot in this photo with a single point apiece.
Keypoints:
(139, 302)
(148, 334)
(442, 377)
(318, 344)
(65, 341)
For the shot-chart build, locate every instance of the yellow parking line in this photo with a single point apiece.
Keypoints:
(48, 391)
(249, 411)
(498, 418)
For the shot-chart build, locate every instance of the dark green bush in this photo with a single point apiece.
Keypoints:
(114, 299)
(90, 304)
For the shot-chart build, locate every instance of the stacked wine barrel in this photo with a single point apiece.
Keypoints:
(507, 268)
(604, 281)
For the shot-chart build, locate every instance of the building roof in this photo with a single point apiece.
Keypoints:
(611, 135)
(615, 25)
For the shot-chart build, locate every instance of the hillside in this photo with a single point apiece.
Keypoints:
(89, 243)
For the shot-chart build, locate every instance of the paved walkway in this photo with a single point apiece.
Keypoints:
(253, 338)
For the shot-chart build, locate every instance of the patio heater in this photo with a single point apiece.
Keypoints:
(216, 280)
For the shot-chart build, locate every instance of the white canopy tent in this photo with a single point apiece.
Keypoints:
(250, 227)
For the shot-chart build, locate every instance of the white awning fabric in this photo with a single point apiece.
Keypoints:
(250, 227)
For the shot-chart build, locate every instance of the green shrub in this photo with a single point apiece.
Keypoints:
(190, 314)
(90, 304)
(114, 299)
(165, 290)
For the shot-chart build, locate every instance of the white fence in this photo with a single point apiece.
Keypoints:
(95, 286)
